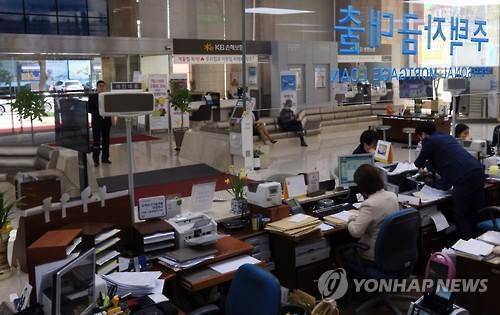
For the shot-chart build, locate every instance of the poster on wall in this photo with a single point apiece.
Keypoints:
(320, 77)
(252, 75)
(158, 85)
(298, 76)
(288, 89)
(176, 117)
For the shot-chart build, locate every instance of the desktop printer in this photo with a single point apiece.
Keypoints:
(193, 229)
(264, 194)
(478, 148)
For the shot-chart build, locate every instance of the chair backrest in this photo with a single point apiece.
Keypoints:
(495, 139)
(46, 158)
(253, 291)
(396, 244)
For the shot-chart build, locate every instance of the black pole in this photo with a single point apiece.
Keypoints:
(243, 55)
(82, 166)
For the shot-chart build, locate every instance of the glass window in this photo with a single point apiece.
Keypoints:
(98, 8)
(11, 23)
(73, 26)
(72, 7)
(41, 24)
(98, 27)
(14, 6)
(40, 6)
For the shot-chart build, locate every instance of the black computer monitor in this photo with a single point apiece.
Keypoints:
(73, 289)
(72, 124)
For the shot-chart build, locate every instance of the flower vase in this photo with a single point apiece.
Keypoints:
(5, 271)
(238, 206)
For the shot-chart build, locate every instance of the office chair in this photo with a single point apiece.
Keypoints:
(493, 221)
(253, 291)
(496, 136)
(395, 255)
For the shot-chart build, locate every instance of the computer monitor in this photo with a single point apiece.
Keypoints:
(75, 286)
(348, 164)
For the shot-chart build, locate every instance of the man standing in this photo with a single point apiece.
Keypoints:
(458, 169)
(100, 127)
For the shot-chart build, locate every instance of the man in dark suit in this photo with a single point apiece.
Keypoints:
(367, 142)
(100, 127)
(458, 169)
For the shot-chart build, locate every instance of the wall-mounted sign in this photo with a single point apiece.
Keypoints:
(288, 89)
(219, 47)
(158, 85)
(129, 86)
(213, 59)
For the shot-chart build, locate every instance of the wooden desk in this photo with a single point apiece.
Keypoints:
(397, 124)
(479, 303)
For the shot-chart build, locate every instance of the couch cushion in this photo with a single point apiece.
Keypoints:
(18, 150)
(326, 110)
(312, 111)
(340, 115)
(17, 162)
(328, 117)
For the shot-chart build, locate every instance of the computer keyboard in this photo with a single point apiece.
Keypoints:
(323, 212)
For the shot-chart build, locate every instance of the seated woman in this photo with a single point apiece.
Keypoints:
(288, 122)
(259, 128)
(367, 142)
(462, 132)
(378, 204)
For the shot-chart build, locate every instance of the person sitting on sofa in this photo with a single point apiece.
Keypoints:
(288, 122)
(259, 129)
(367, 142)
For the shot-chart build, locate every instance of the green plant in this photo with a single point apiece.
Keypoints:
(180, 99)
(5, 76)
(257, 153)
(29, 105)
(4, 215)
(237, 181)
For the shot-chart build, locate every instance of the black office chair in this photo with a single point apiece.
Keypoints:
(204, 113)
(496, 135)
(395, 255)
(493, 221)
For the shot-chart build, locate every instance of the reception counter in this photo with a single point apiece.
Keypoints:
(398, 123)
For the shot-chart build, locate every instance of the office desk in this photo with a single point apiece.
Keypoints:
(397, 124)
(479, 303)
(327, 194)
(220, 211)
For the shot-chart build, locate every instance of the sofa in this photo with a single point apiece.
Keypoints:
(15, 159)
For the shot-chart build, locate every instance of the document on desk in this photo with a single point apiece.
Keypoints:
(325, 227)
(474, 247)
(343, 216)
(411, 200)
(439, 221)
(491, 237)
(403, 167)
(233, 264)
(202, 196)
(296, 186)
(428, 193)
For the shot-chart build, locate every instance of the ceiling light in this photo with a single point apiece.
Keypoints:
(275, 11)
(455, 3)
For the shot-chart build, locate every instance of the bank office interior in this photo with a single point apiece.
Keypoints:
(124, 40)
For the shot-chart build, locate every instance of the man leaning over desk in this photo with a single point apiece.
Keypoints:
(458, 169)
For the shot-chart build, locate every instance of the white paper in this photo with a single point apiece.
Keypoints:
(298, 218)
(102, 195)
(72, 247)
(414, 201)
(473, 247)
(357, 205)
(439, 221)
(158, 298)
(47, 206)
(343, 216)
(403, 167)
(360, 197)
(325, 227)
(107, 257)
(105, 235)
(105, 245)
(134, 279)
(230, 265)
(152, 207)
(492, 237)
(202, 196)
(296, 186)
(428, 193)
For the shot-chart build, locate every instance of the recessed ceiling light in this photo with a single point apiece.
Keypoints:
(455, 3)
(275, 11)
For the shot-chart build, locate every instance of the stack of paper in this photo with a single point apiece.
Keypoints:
(136, 283)
(491, 237)
(341, 218)
(428, 194)
(296, 226)
(106, 253)
(230, 265)
(403, 167)
(186, 258)
(473, 248)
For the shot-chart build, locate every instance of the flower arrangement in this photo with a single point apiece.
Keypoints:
(5, 226)
(238, 181)
(257, 153)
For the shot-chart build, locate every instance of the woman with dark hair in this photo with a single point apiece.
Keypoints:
(462, 131)
(378, 204)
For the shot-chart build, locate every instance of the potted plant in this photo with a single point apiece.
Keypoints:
(257, 153)
(179, 100)
(5, 229)
(29, 105)
(237, 182)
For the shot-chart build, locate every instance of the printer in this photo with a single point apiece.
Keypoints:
(193, 229)
(478, 148)
(264, 194)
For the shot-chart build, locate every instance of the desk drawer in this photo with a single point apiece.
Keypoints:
(313, 256)
(311, 247)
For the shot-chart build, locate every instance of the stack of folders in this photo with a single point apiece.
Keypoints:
(474, 249)
(106, 253)
(186, 258)
(136, 283)
(296, 226)
(156, 244)
(340, 219)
